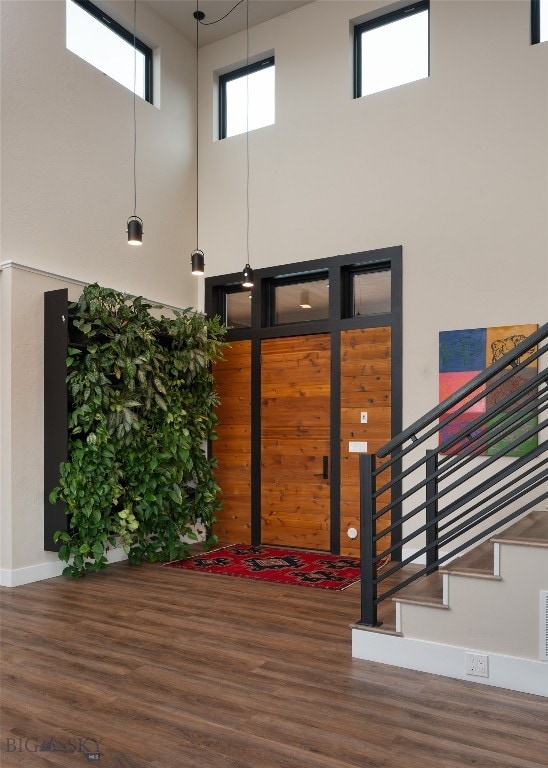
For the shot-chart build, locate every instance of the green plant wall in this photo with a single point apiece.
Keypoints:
(141, 409)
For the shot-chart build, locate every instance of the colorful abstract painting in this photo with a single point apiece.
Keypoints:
(462, 356)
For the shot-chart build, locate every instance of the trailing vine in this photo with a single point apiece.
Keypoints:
(142, 404)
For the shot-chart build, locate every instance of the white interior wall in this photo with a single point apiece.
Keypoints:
(454, 168)
(22, 425)
(67, 156)
(67, 191)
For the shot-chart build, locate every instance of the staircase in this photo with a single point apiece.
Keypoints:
(465, 593)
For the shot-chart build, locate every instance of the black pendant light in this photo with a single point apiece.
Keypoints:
(197, 258)
(198, 262)
(134, 223)
(247, 274)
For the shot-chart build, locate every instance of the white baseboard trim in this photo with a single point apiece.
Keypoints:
(49, 570)
(511, 672)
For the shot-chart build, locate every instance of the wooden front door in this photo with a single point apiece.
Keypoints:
(295, 441)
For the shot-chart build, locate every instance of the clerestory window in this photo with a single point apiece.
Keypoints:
(247, 98)
(392, 49)
(109, 47)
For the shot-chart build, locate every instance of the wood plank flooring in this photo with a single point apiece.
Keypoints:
(176, 669)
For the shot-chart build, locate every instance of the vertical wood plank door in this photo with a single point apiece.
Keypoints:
(295, 432)
(232, 449)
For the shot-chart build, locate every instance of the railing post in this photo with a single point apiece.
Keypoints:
(431, 511)
(367, 545)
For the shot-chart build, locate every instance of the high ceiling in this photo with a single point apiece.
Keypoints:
(179, 13)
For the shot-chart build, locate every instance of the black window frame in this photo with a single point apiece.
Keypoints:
(126, 35)
(535, 23)
(280, 282)
(222, 302)
(381, 21)
(236, 74)
(347, 286)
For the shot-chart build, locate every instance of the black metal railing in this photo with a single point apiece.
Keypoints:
(481, 474)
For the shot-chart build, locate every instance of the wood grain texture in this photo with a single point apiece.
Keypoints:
(232, 449)
(295, 433)
(365, 386)
(174, 669)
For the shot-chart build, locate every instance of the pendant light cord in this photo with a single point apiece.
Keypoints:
(134, 109)
(247, 123)
(197, 133)
(208, 23)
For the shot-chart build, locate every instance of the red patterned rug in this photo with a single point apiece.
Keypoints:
(285, 566)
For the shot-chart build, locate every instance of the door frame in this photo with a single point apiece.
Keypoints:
(339, 269)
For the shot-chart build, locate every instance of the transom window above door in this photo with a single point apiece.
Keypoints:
(341, 289)
(371, 292)
(299, 302)
(237, 309)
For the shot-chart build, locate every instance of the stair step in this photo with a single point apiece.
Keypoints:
(530, 531)
(428, 590)
(387, 608)
(478, 562)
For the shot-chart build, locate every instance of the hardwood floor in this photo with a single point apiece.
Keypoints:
(176, 669)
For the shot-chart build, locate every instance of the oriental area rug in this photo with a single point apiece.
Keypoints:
(284, 566)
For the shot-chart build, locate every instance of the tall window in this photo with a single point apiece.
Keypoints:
(539, 21)
(391, 49)
(250, 87)
(108, 46)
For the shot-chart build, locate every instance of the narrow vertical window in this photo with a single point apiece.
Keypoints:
(109, 47)
(251, 87)
(391, 50)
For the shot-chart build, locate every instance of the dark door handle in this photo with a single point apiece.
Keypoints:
(325, 472)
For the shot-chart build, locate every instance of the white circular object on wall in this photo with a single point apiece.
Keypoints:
(352, 533)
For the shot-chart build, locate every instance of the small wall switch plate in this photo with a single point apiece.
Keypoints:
(363, 417)
(476, 664)
(357, 447)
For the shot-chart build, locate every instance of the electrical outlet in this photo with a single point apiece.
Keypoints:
(363, 417)
(476, 664)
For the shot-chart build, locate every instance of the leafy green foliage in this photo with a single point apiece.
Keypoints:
(142, 407)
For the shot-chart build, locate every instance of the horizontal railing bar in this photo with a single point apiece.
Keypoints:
(492, 509)
(497, 526)
(528, 470)
(499, 432)
(531, 341)
(541, 378)
(444, 514)
(490, 415)
(478, 422)
(451, 462)
(514, 467)
(477, 518)
(449, 555)
(503, 430)
(463, 478)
